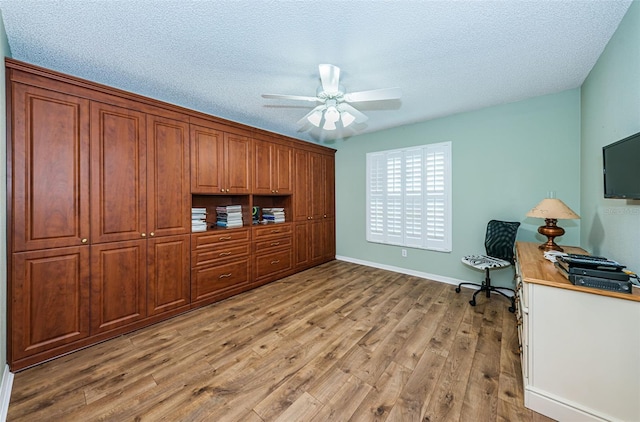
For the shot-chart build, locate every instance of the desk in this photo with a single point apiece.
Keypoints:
(580, 347)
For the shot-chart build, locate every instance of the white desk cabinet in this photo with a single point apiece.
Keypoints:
(580, 346)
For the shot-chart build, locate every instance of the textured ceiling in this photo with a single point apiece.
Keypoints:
(218, 57)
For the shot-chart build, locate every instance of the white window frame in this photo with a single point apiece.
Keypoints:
(409, 197)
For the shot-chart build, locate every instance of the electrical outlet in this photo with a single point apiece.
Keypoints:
(404, 253)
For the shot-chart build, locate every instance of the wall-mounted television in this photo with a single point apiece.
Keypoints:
(621, 168)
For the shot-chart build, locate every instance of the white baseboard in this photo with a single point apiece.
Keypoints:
(435, 277)
(5, 392)
(560, 410)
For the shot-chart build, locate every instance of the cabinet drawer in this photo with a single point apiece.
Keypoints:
(271, 230)
(275, 243)
(211, 280)
(271, 263)
(219, 253)
(215, 237)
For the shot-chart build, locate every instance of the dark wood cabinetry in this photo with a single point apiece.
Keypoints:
(314, 208)
(220, 160)
(100, 188)
(49, 168)
(273, 168)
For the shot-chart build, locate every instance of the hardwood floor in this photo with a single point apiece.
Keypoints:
(337, 342)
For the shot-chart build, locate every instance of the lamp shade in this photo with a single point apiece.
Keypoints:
(552, 208)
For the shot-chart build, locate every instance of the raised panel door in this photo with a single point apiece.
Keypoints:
(168, 194)
(49, 168)
(50, 300)
(317, 185)
(282, 169)
(262, 173)
(237, 163)
(168, 275)
(329, 231)
(317, 241)
(329, 172)
(118, 284)
(207, 154)
(301, 251)
(118, 174)
(302, 187)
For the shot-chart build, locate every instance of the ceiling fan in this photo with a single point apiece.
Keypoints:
(334, 102)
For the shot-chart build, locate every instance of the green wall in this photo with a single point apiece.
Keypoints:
(505, 160)
(4, 52)
(610, 112)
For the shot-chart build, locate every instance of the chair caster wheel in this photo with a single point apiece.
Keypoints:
(472, 302)
(457, 289)
(512, 309)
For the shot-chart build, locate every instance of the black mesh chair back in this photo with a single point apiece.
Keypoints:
(501, 239)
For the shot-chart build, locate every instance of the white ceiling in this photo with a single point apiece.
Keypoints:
(219, 56)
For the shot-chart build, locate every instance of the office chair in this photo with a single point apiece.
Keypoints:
(499, 243)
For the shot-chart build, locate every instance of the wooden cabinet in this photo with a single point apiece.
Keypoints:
(168, 274)
(273, 252)
(49, 305)
(569, 368)
(220, 161)
(221, 264)
(118, 284)
(314, 230)
(49, 168)
(272, 171)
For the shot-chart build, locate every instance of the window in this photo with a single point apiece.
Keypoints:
(409, 197)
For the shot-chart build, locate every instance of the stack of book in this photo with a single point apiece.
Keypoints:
(273, 215)
(198, 219)
(229, 216)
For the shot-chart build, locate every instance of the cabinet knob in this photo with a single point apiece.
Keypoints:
(325, 216)
(84, 241)
(276, 190)
(152, 234)
(143, 235)
(227, 190)
(222, 190)
(308, 218)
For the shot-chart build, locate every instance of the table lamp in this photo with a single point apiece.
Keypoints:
(552, 210)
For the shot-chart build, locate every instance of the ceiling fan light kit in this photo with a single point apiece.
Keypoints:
(334, 104)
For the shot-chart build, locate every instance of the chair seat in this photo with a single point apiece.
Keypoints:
(482, 262)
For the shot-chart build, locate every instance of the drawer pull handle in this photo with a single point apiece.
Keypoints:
(225, 253)
(275, 243)
(277, 261)
(275, 231)
(225, 238)
(224, 275)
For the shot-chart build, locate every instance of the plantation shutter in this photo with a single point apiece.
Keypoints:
(409, 197)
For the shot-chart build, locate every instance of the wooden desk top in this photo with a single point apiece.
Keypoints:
(534, 268)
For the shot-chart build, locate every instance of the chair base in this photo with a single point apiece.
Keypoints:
(488, 288)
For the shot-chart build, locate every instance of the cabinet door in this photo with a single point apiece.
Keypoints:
(118, 284)
(207, 154)
(50, 169)
(317, 241)
(301, 249)
(302, 190)
(168, 273)
(50, 300)
(282, 169)
(317, 186)
(329, 172)
(237, 163)
(329, 237)
(262, 172)
(168, 194)
(118, 174)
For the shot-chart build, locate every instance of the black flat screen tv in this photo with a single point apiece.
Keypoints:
(621, 168)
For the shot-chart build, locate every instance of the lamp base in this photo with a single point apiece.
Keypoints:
(551, 231)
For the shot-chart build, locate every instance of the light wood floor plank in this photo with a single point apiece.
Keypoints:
(337, 342)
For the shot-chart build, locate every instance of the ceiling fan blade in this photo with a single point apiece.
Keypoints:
(289, 97)
(313, 116)
(359, 117)
(330, 77)
(374, 95)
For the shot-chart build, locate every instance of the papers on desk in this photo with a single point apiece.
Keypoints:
(552, 255)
